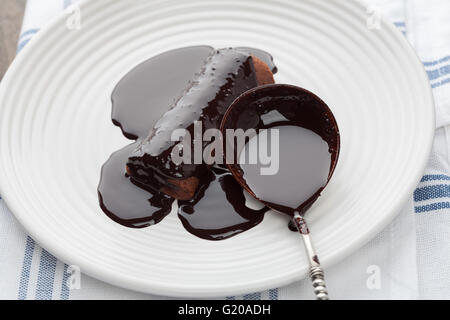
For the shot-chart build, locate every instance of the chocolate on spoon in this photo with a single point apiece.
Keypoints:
(302, 135)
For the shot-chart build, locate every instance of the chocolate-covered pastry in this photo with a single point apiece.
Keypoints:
(226, 74)
(139, 100)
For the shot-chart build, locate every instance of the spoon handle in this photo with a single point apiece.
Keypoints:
(316, 272)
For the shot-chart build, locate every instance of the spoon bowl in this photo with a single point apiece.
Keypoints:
(307, 143)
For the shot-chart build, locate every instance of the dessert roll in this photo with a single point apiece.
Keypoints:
(226, 74)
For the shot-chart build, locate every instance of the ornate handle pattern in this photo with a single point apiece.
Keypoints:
(315, 272)
(318, 281)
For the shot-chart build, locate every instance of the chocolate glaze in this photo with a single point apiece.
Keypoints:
(226, 74)
(139, 100)
(282, 106)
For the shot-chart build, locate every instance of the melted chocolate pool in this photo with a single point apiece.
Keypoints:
(302, 166)
(305, 134)
(218, 210)
(125, 202)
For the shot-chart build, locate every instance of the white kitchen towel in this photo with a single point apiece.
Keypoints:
(385, 268)
(429, 32)
(428, 29)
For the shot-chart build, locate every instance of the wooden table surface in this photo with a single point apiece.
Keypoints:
(11, 14)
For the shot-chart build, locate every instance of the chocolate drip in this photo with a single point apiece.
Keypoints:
(125, 202)
(218, 210)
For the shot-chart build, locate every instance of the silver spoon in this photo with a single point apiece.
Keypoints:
(250, 111)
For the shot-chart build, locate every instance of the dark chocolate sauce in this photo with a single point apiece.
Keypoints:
(302, 166)
(140, 100)
(226, 74)
(308, 145)
(125, 202)
(218, 210)
(292, 226)
(144, 94)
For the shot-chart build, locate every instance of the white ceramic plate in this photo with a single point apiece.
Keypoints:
(56, 132)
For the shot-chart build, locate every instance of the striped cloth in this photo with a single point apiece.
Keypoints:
(409, 259)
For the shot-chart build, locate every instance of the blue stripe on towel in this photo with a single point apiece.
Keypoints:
(22, 45)
(46, 277)
(401, 26)
(25, 38)
(253, 296)
(439, 191)
(436, 62)
(441, 83)
(432, 207)
(438, 73)
(26, 267)
(47, 267)
(28, 32)
(432, 192)
(432, 177)
(67, 3)
(273, 294)
(65, 291)
(30, 245)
